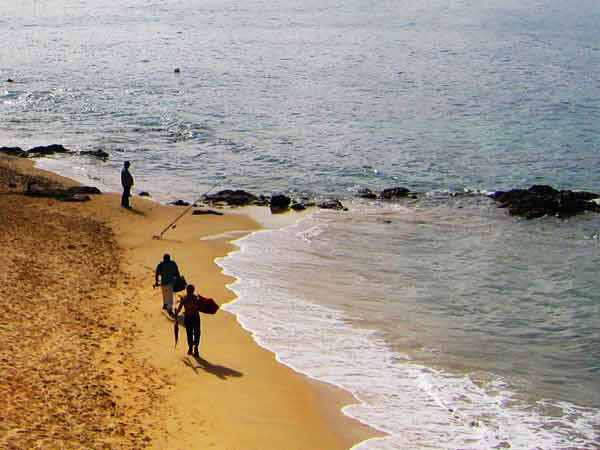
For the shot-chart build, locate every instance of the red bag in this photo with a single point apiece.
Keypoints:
(208, 305)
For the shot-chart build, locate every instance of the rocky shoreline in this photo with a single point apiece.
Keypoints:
(535, 202)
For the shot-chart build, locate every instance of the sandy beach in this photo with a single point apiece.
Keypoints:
(87, 357)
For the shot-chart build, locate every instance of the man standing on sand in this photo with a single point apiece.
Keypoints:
(127, 183)
(191, 319)
(168, 272)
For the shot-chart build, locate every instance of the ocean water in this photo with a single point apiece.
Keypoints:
(455, 325)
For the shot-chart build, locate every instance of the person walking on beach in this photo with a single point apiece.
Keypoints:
(169, 272)
(127, 183)
(192, 305)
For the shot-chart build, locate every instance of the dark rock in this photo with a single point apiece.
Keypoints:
(541, 200)
(75, 193)
(542, 190)
(393, 193)
(95, 153)
(176, 70)
(508, 196)
(587, 196)
(366, 193)
(180, 203)
(230, 197)
(280, 202)
(13, 151)
(331, 204)
(298, 207)
(262, 201)
(45, 150)
(144, 194)
(303, 203)
(83, 190)
(10, 80)
(201, 212)
(308, 203)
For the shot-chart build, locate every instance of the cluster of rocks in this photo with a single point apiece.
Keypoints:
(236, 197)
(282, 202)
(45, 150)
(277, 202)
(537, 201)
(540, 200)
(387, 194)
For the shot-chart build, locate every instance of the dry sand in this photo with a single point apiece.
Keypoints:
(87, 357)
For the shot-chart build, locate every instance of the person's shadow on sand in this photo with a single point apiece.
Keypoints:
(197, 363)
(137, 212)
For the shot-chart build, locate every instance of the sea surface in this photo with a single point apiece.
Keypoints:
(455, 325)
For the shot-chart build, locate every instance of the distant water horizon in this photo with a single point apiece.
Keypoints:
(455, 325)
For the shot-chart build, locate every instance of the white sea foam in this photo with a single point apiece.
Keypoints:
(419, 407)
(78, 170)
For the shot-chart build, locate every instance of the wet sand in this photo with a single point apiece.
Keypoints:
(87, 357)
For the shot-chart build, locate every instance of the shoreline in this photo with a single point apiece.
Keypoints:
(251, 395)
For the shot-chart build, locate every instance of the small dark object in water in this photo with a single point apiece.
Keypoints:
(177, 70)
(10, 80)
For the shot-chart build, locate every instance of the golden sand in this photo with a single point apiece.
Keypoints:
(87, 357)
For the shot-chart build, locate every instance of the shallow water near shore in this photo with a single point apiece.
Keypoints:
(449, 337)
(456, 326)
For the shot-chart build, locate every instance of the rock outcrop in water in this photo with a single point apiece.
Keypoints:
(366, 193)
(394, 193)
(540, 200)
(236, 197)
(332, 204)
(42, 150)
(387, 194)
(279, 203)
(13, 151)
(45, 150)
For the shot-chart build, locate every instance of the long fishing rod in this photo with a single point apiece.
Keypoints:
(159, 236)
